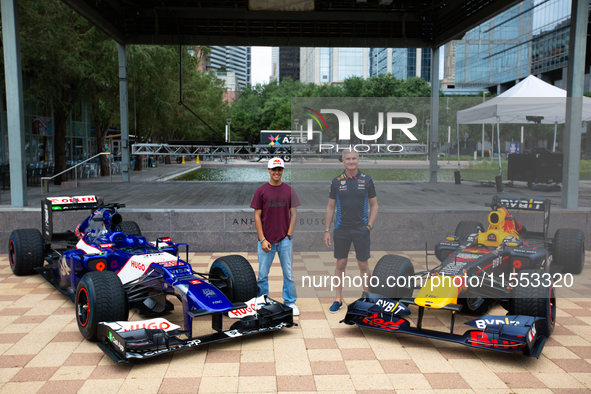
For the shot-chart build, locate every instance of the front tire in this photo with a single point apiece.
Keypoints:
(100, 297)
(238, 281)
(536, 301)
(25, 251)
(392, 266)
(569, 250)
(473, 304)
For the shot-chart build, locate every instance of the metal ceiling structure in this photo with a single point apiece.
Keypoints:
(317, 23)
(299, 23)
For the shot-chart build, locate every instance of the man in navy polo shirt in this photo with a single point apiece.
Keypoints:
(353, 194)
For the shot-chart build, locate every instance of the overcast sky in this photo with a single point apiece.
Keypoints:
(261, 64)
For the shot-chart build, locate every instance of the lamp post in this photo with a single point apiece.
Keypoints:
(228, 122)
(362, 121)
(428, 122)
(297, 122)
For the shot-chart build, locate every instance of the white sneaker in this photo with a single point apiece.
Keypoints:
(296, 311)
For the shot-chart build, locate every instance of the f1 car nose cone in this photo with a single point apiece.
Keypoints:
(440, 291)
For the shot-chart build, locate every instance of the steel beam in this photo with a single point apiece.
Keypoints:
(574, 103)
(263, 150)
(434, 144)
(124, 113)
(14, 103)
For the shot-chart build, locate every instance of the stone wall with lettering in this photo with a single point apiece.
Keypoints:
(234, 230)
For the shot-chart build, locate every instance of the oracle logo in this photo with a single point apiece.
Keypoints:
(70, 200)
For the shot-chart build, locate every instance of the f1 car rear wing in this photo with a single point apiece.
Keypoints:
(51, 204)
(541, 204)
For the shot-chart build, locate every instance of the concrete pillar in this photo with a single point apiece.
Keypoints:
(14, 103)
(124, 113)
(389, 60)
(365, 64)
(316, 52)
(574, 104)
(335, 64)
(434, 139)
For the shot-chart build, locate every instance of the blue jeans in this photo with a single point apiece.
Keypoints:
(285, 251)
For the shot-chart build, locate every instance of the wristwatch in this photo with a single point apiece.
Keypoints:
(370, 227)
(289, 236)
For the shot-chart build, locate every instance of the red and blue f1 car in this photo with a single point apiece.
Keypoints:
(505, 264)
(106, 267)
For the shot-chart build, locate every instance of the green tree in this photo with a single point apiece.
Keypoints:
(56, 59)
(102, 90)
(155, 85)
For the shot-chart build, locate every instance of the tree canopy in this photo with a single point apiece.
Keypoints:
(66, 60)
(268, 106)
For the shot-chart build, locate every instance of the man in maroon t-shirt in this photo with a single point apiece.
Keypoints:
(275, 212)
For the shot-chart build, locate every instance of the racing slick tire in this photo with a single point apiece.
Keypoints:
(392, 266)
(465, 228)
(536, 301)
(100, 297)
(569, 250)
(25, 251)
(238, 281)
(130, 228)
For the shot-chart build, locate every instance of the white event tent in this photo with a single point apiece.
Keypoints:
(531, 97)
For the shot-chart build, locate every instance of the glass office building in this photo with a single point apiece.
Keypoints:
(334, 65)
(285, 63)
(237, 59)
(529, 38)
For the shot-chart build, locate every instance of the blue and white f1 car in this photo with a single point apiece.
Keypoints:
(106, 267)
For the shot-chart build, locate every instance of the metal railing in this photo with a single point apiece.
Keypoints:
(45, 180)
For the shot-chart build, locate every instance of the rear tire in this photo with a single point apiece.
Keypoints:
(569, 250)
(100, 297)
(392, 266)
(536, 301)
(26, 251)
(130, 228)
(466, 228)
(240, 284)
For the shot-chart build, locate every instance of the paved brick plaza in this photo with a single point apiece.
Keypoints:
(41, 350)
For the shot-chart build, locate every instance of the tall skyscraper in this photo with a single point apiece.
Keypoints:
(334, 65)
(237, 59)
(529, 38)
(289, 63)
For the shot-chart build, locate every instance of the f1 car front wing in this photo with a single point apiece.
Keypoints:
(122, 345)
(506, 334)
